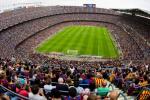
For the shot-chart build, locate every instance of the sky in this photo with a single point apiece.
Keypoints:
(142, 4)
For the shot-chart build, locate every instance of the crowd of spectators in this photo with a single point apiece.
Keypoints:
(142, 28)
(16, 16)
(139, 31)
(70, 80)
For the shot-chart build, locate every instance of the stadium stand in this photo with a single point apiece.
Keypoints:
(21, 77)
(25, 74)
(41, 23)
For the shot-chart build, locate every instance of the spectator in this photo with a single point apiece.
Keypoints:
(36, 94)
(4, 97)
(48, 87)
(78, 88)
(56, 95)
(99, 80)
(73, 94)
(103, 91)
(86, 93)
(61, 85)
(144, 82)
(72, 69)
(113, 95)
(92, 97)
(20, 89)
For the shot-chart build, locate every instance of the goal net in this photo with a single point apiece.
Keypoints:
(72, 52)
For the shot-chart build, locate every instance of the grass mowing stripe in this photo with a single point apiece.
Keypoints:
(98, 41)
(107, 40)
(75, 40)
(86, 50)
(106, 53)
(100, 37)
(98, 31)
(95, 43)
(87, 42)
(55, 44)
(83, 46)
(112, 44)
(93, 34)
(52, 38)
(79, 42)
(111, 47)
(64, 41)
(48, 42)
(92, 42)
(101, 43)
(74, 34)
(104, 44)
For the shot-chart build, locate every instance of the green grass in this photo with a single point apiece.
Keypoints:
(87, 40)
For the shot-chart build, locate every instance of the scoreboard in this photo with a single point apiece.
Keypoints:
(90, 5)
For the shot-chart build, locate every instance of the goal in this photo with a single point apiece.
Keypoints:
(72, 52)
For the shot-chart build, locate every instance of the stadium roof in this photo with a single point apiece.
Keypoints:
(136, 11)
(119, 4)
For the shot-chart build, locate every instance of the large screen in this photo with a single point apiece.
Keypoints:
(89, 5)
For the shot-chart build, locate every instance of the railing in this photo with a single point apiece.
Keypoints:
(110, 85)
(121, 94)
(20, 96)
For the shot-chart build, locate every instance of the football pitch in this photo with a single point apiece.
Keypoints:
(81, 40)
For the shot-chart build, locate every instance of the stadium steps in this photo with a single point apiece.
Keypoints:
(120, 91)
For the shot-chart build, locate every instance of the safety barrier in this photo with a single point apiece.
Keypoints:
(13, 93)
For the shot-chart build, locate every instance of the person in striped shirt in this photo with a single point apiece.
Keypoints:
(99, 80)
